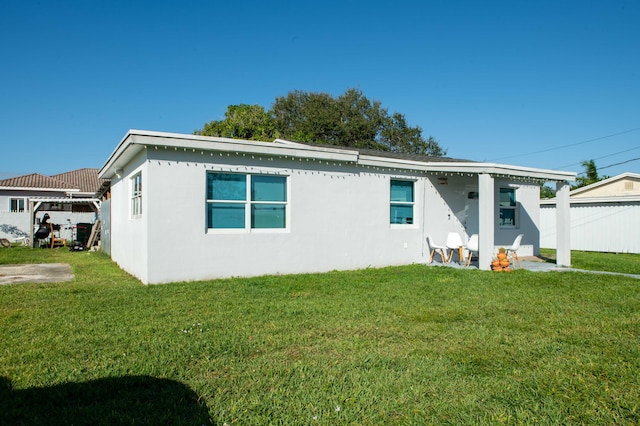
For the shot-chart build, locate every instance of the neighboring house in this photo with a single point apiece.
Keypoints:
(605, 216)
(68, 198)
(187, 207)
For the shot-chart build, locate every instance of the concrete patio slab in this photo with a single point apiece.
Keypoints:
(35, 273)
(535, 264)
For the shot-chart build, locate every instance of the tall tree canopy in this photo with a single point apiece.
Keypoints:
(350, 120)
(249, 122)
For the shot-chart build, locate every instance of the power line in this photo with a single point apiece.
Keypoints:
(599, 158)
(611, 165)
(569, 145)
(622, 162)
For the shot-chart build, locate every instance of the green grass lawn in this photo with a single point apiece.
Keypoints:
(612, 262)
(402, 345)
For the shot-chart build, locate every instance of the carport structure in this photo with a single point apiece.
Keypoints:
(36, 203)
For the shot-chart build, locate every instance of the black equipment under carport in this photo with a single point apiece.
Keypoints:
(83, 231)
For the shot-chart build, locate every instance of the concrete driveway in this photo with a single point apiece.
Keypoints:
(35, 273)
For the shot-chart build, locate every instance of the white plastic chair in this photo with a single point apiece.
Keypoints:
(454, 242)
(512, 251)
(432, 250)
(472, 247)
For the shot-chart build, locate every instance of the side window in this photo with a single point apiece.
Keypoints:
(238, 201)
(226, 200)
(268, 201)
(16, 205)
(402, 202)
(136, 195)
(508, 207)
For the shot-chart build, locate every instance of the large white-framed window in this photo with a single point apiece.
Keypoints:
(508, 208)
(136, 195)
(243, 201)
(402, 202)
(17, 205)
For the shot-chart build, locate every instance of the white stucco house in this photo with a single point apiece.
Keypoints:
(605, 216)
(186, 207)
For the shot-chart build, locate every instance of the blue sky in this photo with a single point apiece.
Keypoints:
(533, 83)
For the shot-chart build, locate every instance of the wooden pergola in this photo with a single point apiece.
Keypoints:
(36, 202)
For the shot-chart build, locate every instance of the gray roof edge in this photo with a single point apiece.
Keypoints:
(359, 156)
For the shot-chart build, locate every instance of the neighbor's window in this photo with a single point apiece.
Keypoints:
(16, 205)
(239, 201)
(507, 207)
(136, 195)
(402, 202)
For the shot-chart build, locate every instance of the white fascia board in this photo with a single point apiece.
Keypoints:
(543, 174)
(63, 200)
(137, 140)
(599, 200)
(467, 167)
(34, 188)
(245, 147)
(108, 169)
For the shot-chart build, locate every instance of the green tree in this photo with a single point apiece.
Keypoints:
(243, 121)
(350, 120)
(547, 192)
(589, 176)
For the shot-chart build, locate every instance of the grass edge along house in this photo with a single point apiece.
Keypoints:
(187, 207)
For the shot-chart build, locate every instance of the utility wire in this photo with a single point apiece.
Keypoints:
(617, 164)
(599, 158)
(569, 145)
(611, 165)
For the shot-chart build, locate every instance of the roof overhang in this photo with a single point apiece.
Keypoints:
(136, 141)
(470, 168)
(597, 200)
(63, 200)
(29, 188)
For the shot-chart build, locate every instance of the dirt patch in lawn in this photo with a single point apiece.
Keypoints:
(35, 273)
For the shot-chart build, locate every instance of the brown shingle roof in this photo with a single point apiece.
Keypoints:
(84, 180)
(35, 180)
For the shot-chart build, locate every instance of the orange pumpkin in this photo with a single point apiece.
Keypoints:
(504, 263)
(502, 256)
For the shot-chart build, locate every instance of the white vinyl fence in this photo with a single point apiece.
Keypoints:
(16, 224)
(603, 226)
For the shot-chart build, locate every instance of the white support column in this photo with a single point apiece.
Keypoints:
(486, 220)
(32, 220)
(563, 225)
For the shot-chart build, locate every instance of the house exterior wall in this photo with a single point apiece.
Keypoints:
(129, 235)
(596, 226)
(527, 217)
(338, 218)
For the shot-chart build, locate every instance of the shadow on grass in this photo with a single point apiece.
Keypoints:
(119, 400)
(547, 255)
